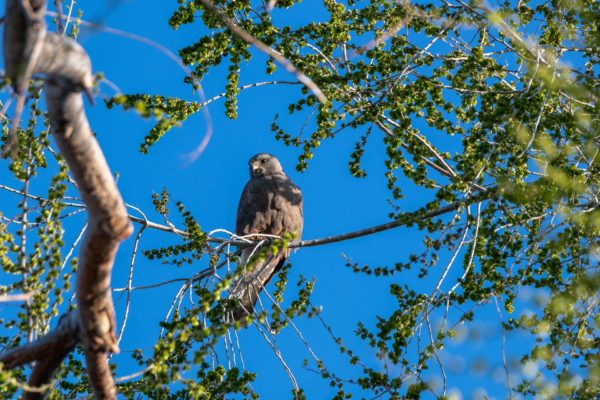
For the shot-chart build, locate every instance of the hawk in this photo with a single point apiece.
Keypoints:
(270, 204)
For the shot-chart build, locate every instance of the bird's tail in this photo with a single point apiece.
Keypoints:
(248, 286)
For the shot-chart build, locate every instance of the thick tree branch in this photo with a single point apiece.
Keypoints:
(48, 352)
(23, 41)
(68, 71)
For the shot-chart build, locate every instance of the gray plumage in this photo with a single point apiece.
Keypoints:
(270, 204)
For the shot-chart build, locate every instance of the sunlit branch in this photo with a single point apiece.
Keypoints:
(7, 298)
(130, 283)
(480, 196)
(427, 145)
(251, 40)
(208, 118)
(394, 224)
(248, 86)
(67, 69)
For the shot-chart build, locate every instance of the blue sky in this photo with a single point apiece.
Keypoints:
(334, 202)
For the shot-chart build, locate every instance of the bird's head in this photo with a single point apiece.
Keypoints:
(264, 164)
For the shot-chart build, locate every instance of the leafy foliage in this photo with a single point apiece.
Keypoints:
(464, 105)
(468, 110)
(31, 245)
(168, 111)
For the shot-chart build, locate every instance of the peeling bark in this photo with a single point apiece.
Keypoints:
(29, 49)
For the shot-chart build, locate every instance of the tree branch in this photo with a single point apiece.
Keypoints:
(406, 220)
(251, 40)
(490, 192)
(68, 73)
(48, 351)
(395, 224)
(23, 39)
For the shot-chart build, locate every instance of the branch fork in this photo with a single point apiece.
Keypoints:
(29, 49)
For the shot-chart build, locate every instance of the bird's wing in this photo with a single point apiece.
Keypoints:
(287, 207)
(271, 205)
(252, 208)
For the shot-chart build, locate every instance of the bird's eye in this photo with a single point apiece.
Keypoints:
(264, 160)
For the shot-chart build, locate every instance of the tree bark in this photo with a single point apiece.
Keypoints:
(29, 49)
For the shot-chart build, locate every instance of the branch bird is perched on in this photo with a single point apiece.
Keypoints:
(270, 204)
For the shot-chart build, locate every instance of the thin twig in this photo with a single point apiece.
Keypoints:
(129, 283)
(472, 255)
(251, 40)
(390, 225)
(278, 355)
(7, 298)
(504, 364)
(196, 84)
(72, 248)
(134, 375)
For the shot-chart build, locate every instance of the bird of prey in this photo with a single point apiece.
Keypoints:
(270, 204)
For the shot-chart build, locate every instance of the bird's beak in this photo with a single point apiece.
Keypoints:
(254, 166)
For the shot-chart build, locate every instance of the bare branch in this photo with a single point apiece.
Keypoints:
(68, 71)
(130, 282)
(251, 40)
(48, 351)
(24, 34)
(394, 224)
(15, 297)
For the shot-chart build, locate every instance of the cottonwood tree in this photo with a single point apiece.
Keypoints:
(492, 110)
